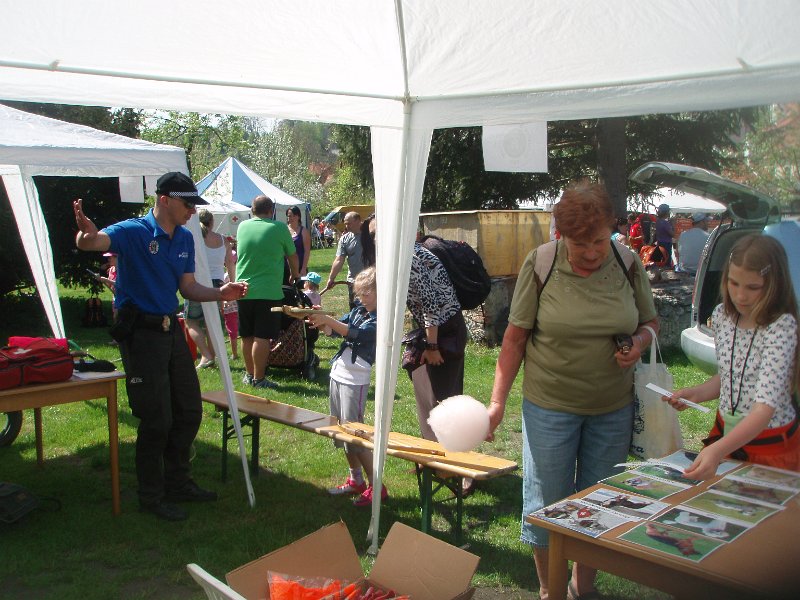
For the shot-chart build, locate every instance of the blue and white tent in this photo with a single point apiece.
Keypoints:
(230, 189)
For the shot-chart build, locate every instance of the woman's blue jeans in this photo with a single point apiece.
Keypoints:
(563, 453)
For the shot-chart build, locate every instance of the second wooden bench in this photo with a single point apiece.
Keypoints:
(434, 465)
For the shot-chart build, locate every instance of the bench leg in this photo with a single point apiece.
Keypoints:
(225, 436)
(459, 491)
(425, 481)
(229, 432)
(255, 428)
(425, 478)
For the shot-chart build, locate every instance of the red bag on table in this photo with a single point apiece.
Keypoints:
(34, 360)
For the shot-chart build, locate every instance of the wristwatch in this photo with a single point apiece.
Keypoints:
(431, 346)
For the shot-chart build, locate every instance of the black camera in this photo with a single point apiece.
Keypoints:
(623, 342)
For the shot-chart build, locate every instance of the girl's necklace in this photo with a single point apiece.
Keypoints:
(734, 406)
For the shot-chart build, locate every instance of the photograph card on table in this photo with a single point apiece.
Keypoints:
(683, 459)
(639, 483)
(584, 518)
(706, 524)
(666, 472)
(771, 476)
(672, 541)
(733, 507)
(751, 490)
(631, 505)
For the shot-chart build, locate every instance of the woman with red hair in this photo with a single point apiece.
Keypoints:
(578, 387)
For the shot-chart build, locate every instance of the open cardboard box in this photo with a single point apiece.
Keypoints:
(410, 562)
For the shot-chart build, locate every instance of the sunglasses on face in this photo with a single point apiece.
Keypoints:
(186, 203)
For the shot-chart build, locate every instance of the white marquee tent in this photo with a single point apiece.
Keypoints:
(678, 202)
(404, 68)
(34, 145)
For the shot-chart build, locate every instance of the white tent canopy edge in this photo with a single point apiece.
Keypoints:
(405, 67)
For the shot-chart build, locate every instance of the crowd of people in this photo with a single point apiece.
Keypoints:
(572, 297)
(655, 239)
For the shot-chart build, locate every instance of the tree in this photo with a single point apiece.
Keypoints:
(346, 188)
(771, 155)
(207, 139)
(278, 154)
(607, 148)
(283, 161)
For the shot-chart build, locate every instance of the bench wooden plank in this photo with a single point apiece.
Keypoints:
(430, 467)
(466, 464)
(286, 414)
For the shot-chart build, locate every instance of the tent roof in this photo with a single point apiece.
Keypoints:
(678, 202)
(46, 146)
(234, 181)
(404, 67)
(457, 62)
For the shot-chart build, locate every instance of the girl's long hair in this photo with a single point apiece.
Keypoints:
(206, 221)
(765, 255)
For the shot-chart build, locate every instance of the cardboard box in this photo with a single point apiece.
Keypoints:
(410, 562)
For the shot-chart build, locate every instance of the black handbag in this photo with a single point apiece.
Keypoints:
(96, 365)
(15, 502)
(414, 342)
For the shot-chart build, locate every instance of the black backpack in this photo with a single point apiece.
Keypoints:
(94, 315)
(465, 268)
(15, 502)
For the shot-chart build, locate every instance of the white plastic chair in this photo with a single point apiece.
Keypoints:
(213, 587)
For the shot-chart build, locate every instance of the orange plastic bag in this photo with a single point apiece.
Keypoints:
(289, 587)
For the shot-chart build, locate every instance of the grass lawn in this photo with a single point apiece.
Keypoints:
(81, 551)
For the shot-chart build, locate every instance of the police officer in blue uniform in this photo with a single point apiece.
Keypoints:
(155, 260)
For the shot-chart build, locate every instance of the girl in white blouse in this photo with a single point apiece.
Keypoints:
(756, 336)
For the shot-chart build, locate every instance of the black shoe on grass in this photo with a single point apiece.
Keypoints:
(190, 492)
(166, 511)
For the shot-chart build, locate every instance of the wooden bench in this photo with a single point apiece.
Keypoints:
(433, 464)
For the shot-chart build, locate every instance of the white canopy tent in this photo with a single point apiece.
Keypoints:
(678, 202)
(34, 145)
(405, 67)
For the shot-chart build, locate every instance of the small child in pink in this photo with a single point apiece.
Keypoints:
(111, 280)
(230, 313)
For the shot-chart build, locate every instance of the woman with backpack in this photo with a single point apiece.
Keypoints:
(577, 407)
(441, 336)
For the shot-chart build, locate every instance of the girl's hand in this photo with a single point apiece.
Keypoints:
(316, 321)
(705, 465)
(685, 393)
(321, 322)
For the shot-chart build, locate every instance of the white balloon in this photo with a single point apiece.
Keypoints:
(460, 423)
